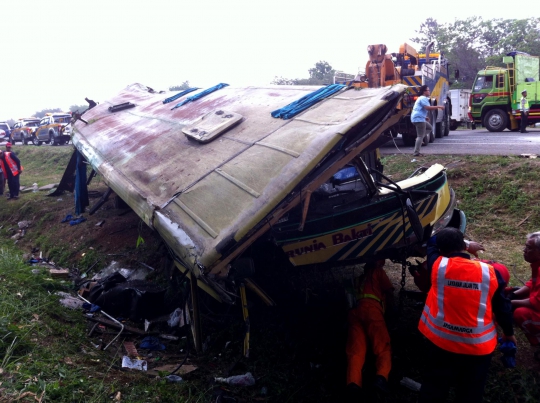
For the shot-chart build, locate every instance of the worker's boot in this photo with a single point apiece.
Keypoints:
(353, 393)
(381, 384)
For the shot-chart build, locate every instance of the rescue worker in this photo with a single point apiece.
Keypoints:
(458, 319)
(524, 108)
(11, 167)
(419, 117)
(526, 300)
(8, 148)
(367, 326)
(91, 103)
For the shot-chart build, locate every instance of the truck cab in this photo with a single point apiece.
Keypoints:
(496, 93)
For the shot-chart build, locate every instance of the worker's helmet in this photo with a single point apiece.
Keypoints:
(524, 91)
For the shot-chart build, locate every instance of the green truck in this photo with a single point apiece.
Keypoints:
(496, 93)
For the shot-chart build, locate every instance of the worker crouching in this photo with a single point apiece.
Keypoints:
(458, 320)
(367, 327)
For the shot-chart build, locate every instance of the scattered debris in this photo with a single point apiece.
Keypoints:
(116, 326)
(522, 221)
(169, 368)
(59, 273)
(100, 223)
(239, 380)
(131, 350)
(410, 384)
(174, 378)
(168, 337)
(151, 343)
(77, 221)
(532, 156)
(140, 365)
(17, 236)
(69, 301)
(24, 224)
(49, 187)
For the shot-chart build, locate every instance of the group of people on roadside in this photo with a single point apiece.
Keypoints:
(467, 299)
(422, 106)
(10, 171)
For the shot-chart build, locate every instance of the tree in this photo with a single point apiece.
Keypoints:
(321, 74)
(428, 32)
(78, 108)
(471, 44)
(181, 87)
(40, 114)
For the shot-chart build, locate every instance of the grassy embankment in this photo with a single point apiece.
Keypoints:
(44, 350)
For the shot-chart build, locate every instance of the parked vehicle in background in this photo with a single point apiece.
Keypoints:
(496, 93)
(23, 130)
(52, 129)
(2, 133)
(460, 108)
(5, 127)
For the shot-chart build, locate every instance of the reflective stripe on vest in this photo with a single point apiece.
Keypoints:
(370, 296)
(524, 105)
(451, 333)
(361, 295)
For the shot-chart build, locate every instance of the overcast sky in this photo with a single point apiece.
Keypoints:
(54, 53)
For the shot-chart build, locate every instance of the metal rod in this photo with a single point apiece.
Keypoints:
(111, 318)
(196, 325)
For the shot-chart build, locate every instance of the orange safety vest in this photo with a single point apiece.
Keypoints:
(11, 164)
(458, 315)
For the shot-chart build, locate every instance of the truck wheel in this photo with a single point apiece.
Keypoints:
(453, 125)
(440, 127)
(408, 140)
(446, 119)
(496, 120)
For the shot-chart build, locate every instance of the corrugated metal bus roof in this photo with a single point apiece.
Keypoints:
(201, 197)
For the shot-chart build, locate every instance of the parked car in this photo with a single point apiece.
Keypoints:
(5, 127)
(52, 129)
(23, 130)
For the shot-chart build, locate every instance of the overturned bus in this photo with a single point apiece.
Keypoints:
(214, 170)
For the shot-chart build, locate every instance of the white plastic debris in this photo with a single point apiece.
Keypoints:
(140, 365)
(410, 384)
(174, 378)
(175, 317)
(239, 380)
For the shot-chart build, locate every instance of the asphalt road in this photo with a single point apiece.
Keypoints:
(479, 141)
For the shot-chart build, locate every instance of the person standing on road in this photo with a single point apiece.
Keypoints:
(458, 319)
(526, 300)
(419, 117)
(524, 108)
(11, 166)
(368, 328)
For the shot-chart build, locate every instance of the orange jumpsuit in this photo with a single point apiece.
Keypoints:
(366, 324)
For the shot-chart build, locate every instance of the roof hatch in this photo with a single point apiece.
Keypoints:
(212, 125)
